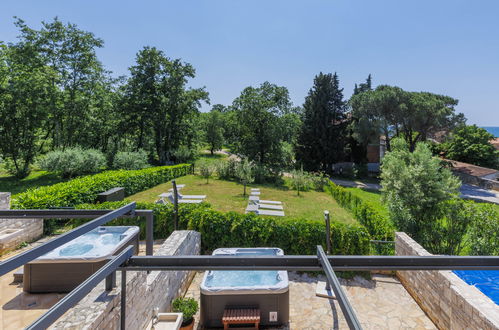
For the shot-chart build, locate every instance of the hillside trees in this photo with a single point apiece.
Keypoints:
(24, 103)
(214, 125)
(158, 104)
(391, 111)
(471, 144)
(322, 136)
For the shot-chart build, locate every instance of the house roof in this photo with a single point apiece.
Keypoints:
(471, 169)
(495, 143)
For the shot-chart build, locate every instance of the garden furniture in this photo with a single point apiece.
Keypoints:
(241, 316)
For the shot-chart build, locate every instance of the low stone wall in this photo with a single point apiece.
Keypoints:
(145, 292)
(31, 229)
(448, 300)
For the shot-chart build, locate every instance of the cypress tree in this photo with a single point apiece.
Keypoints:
(321, 140)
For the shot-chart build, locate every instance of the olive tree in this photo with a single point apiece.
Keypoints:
(245, 173)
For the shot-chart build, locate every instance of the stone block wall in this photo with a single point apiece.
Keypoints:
(32, 229)
(448, 300)
(145, 292)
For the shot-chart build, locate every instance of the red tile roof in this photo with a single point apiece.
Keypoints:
(471, 169)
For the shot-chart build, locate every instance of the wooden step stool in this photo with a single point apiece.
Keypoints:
(241, 316)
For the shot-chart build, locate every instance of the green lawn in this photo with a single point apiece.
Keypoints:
(36, 179)
(228, 196)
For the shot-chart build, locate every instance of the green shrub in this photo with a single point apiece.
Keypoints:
(484, 231)
(319, 181)
(130, 160)
(185, 154)
(187, 306)
(378, 225)
(72, 162)
(219, 229)
(301, 181)
(226, 169)
(85, 189)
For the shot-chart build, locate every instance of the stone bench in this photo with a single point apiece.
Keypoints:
(111, 195)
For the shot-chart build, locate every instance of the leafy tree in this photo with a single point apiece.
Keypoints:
(321, 140)
(471, 144)
(416, 189)
(214, 130)
(24, 90)
(258, 115)
(159, 102)
(245, 173)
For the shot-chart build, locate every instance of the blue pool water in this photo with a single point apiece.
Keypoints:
(238, 278)
(96, 243)
(486, 281)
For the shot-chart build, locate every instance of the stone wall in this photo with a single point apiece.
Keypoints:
(145, 292)
(448, 300)
(32, 229)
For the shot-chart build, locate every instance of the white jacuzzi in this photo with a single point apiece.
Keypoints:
(65, 267)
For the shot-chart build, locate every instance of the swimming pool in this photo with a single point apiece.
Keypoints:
(265, 290)
(486, 281)
(65, 267)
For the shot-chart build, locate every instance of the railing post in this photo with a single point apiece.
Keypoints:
(149, 233)
(111, 281)
(123, 300)
(175, 205)
(328, 232)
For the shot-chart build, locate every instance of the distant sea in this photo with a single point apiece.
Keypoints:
(492, 130)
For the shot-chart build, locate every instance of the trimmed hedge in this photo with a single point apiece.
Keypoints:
(219, 229)
(85, 189)
(380, 227)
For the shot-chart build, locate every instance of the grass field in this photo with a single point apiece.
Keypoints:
(228, 196)
(36, 179)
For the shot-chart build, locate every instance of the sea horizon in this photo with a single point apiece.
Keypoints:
(494, 130)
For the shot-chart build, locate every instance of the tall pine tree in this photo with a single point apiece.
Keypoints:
(322, 138)
(356, 149)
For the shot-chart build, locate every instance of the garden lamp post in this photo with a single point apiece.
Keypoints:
(328, 232)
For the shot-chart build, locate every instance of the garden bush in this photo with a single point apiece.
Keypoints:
(378, 225)
(130, 160)
(85, 189)
(219, 229)
(72, 162)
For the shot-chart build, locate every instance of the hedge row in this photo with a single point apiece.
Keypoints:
(85, 189)
(379, 226)
(219, 229)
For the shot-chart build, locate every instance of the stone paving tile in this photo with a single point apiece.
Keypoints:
(380, 303)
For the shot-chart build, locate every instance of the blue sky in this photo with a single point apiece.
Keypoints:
(447, 47)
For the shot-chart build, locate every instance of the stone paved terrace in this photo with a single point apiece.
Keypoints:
(19, 309)
(380, 303)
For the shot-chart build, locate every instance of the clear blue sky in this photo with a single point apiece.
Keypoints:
(448, 47)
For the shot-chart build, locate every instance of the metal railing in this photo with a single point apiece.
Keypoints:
(126, 261)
